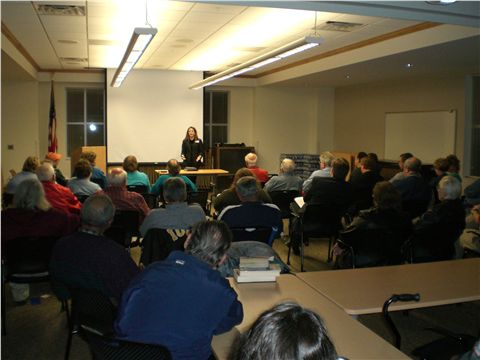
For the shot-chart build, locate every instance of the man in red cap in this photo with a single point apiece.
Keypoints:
(54, 159)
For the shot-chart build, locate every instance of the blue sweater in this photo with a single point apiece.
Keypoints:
(180, 303)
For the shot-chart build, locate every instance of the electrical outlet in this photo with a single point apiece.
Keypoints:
(9, 146)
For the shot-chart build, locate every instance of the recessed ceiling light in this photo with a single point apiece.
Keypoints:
(178, 46)
(347, 77)
(408, 65)
(184, 40)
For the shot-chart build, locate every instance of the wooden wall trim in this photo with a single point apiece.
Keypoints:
(9, 35)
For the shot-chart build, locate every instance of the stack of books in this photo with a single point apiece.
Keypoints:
(256, 269)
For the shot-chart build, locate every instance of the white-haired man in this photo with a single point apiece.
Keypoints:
(57, 195)
(326, 159)
(251, 163)
(286, 180)
(121, 197)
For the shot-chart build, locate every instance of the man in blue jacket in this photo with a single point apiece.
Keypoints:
(183, 301)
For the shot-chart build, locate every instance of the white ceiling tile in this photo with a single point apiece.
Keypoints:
(219, 9)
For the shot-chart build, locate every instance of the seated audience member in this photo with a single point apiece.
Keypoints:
(332, 190)
(326, 159)
(30, 165)
(362, 187)
(87, 259)
(374, 157)
(135, 177)
(58, 196)
(121, 197)
(439, 228)
(230, 196)
(177, 214)
(401, 161)
(32, 215)
(251, 163)
(385, 215)
(414, 190)
(98, 176)
(183, 301)
(472, 193)
(287, 180)
(286, 331)
(440, 166)
(81, 184)
(54, 158)
(454, 167)
(251, 212)
(173, 168)
(356, 172)
(470, 238)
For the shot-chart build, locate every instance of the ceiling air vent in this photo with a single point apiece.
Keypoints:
(339, 26)
(73, 59)
(60, 10)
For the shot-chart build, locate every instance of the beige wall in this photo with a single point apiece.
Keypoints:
(360, 110)
(279, 120)
(19, 123)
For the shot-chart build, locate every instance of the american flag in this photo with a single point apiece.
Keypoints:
(52, 125)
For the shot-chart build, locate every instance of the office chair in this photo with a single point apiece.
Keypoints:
(125, 225)
(283, 199)
(157, 244)
(261, 234)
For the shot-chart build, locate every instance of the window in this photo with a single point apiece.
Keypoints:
(215, 117)
(85, 118)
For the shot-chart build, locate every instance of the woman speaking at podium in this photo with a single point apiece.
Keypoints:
(192, 149)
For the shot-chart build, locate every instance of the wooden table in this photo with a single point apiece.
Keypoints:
(363, 291)
(352, 339)
(198, 172)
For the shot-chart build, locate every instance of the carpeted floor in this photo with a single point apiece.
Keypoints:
(39, 331)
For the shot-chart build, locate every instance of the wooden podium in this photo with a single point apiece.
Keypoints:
(100, 162)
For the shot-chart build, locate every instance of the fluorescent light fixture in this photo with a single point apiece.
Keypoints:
(295, 47)
(141, 37)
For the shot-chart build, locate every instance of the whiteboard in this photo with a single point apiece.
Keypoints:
(428, 135)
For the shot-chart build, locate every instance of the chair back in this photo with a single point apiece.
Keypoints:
(27, 256)
(320, 220)
(99, 181)
(126, 223)
(260, 234)
(200, 197)
(371, 247)
(93, 309)
(82, 198)
(151, 200)
(141, 189)
(283, 199)
(108, 348)
(159, 243)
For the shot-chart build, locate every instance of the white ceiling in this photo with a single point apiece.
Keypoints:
(212, 36)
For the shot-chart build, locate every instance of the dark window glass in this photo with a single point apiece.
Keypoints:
(206, 107)
(219, 107)
(75, 137)
(206, 135)
(219, 134)
(95, 105)
(94, 135)
(75, 109)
